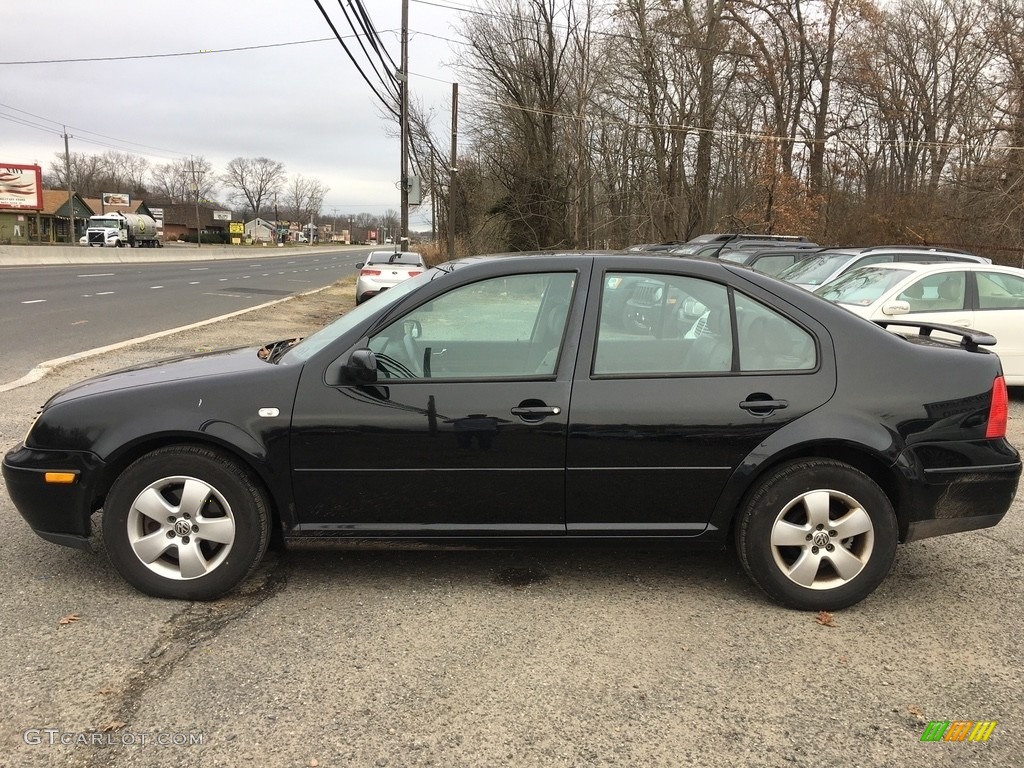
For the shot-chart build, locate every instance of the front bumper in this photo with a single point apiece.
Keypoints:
(58, 512)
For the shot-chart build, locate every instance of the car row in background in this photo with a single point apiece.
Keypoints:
(986, 297)
(386, 269)
(795, 259)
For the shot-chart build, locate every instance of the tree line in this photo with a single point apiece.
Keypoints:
(597, 124)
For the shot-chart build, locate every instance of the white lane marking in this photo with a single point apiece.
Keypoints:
(98, 274)
(104, 293)
(44, 368)
(222, 279)
(194, 282)
(197, 269)
(154, 287)
(35, 301)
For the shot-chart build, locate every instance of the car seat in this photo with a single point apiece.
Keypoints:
(712, 350)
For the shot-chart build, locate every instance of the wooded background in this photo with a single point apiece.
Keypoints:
(587, 124)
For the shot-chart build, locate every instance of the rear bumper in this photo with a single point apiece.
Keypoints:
(952, 499)
(59, 513)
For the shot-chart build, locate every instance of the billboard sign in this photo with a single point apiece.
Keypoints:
(116, 198)
(222, 215)
(21, 186)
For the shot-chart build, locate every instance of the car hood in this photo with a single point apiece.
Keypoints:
(204, 365)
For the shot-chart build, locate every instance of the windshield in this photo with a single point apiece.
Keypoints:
(105, 223)
(816, 270)
(313, 343)
(862, 286)
(739, 257)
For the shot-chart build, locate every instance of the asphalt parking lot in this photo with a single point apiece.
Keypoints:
(530, 657)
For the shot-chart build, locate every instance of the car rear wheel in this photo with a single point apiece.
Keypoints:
(817, 535)
(185, 522)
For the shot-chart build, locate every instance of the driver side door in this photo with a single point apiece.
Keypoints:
(464, 431)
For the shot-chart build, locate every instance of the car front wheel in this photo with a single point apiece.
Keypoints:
(817, 535)
(185, 522)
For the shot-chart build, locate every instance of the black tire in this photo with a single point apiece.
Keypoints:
(222, 525)
(790, 535)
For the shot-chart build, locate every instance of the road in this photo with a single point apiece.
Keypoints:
(48, 312)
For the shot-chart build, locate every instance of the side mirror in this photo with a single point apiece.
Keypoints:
(361, 367)
(896, 308)
(360, 265)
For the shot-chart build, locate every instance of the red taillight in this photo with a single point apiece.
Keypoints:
(998, 411)
(369, 271)
(413, 274)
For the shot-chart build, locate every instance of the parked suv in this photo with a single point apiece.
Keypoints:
(690, 247)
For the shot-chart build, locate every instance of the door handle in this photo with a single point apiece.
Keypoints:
(764, 407)
(536, 410)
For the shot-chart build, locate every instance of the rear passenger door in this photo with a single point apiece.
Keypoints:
(1000, 311)
(667, 404)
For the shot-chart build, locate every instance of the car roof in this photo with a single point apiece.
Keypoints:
(924, 250)
(941, 266)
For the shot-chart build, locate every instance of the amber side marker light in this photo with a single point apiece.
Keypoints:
(60, 478)
(998, 411)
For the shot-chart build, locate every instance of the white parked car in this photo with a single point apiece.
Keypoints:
(830, 263)
(985, 297)
(385, 269)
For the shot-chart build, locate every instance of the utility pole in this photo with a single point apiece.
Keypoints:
(454, 171)
(67, 174)
(195, 190)
(403, 84)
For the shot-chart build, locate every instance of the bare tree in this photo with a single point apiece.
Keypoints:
(304, 197)
(521, 53)
(86, 174)
(253, 180)
(176, 182)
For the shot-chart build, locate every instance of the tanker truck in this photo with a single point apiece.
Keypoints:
(118, 230)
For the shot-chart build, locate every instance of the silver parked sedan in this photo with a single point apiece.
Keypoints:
(386, 269)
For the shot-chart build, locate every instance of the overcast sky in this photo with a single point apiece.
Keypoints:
(303, 105)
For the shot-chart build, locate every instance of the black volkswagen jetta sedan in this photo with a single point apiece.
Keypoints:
(494, 399)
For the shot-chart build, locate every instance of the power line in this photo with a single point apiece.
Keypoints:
(387, 105)
(387, 79)
(167, 55)
(84, 130)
